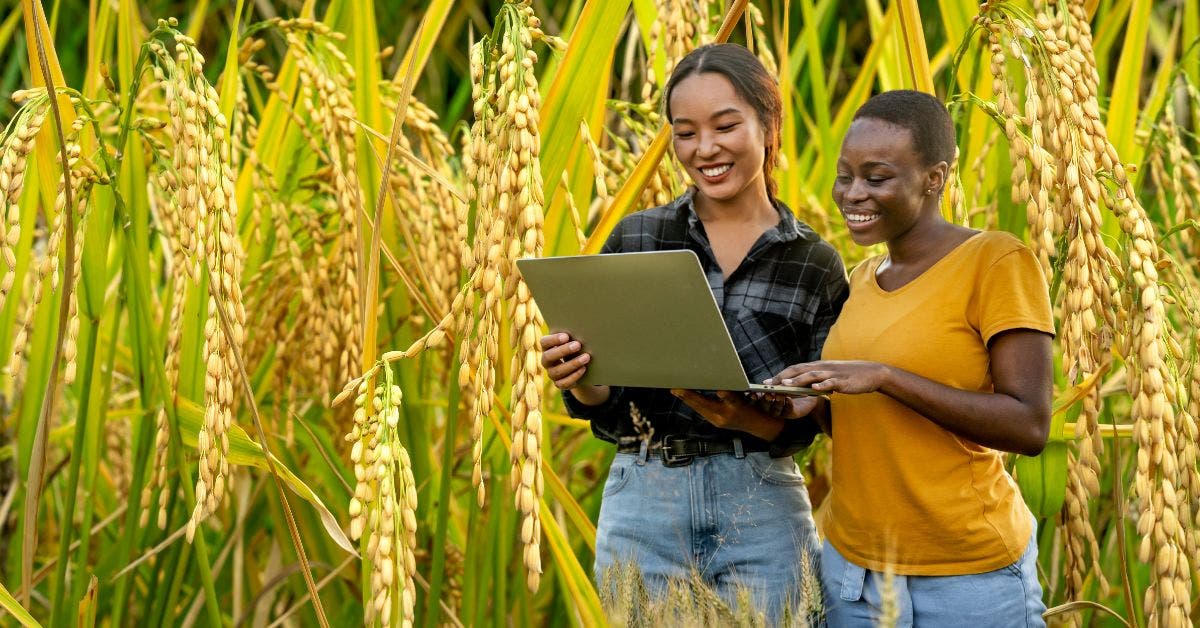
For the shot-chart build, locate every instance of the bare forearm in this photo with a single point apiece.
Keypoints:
(760, 425)
(732, 411)
(996, 420)
(591, 395)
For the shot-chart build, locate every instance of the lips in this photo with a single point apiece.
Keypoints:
(714, 174)
(860, 220)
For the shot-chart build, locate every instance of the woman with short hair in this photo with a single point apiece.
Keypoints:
(939, 362)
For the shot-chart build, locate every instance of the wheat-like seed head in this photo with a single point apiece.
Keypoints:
(13, 161)
(758, 39)
(46, 268)
(383, 509)
(203, 217)
(573, 211)
(326, 92)
(1061, 135)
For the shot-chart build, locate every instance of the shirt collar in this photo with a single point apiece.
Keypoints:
(788, 228)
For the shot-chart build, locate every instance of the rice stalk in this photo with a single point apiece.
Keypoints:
(599, 169)
(757, 40)
(203, 216)
(1072, 166)
(46, 270)
(14, 158)
(573, 211)
(513, 183)
(685, 24)
(385, 501)
(436, 216)
(326, 92)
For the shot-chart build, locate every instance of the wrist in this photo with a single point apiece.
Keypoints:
(887, 378)
(591, 395)
(766, 427)
(772, 430)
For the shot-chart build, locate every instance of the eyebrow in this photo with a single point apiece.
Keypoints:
(718, 114)
(868, 164)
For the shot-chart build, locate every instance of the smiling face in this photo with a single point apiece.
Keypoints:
(718, 138)
(883, 187)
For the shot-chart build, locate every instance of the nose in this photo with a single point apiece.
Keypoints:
(856, 191)
(708, 146)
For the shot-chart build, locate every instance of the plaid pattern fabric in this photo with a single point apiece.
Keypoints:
(778, 305)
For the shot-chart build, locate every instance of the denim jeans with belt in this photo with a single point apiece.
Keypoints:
(736, 521)
(1009, 597)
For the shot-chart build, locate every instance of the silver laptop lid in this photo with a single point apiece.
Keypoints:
(648, 319)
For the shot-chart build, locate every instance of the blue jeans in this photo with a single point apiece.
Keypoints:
(736, 521)
(1005, 598)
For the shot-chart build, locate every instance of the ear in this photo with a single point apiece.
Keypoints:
(936, 177)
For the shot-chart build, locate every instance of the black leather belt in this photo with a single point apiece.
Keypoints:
(680, 451)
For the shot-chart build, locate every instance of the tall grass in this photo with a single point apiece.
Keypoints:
(268, 204)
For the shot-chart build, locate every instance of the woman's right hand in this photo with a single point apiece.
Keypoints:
(788, 407)
(565, 364)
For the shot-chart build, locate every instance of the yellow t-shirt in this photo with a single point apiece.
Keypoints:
(907, 494)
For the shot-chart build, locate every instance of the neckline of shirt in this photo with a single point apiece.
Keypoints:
(874, 279)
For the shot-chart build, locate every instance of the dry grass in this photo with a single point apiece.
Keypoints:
(683, 602)
(1120, 266)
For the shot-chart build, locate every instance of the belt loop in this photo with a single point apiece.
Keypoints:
(643, 452)
(738, 452)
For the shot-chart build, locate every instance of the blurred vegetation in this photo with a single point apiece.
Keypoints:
(297, 141)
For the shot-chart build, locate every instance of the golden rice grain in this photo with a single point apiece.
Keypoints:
(383, 509)
(13, 160)
(204, 217)
(1061, 135)
(573, 211)
(45, 268)
(326, 92)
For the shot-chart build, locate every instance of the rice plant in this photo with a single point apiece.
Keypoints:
(267, 359)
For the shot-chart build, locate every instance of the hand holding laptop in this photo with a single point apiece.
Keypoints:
(649, 319)
(756, 413)
(565, 364)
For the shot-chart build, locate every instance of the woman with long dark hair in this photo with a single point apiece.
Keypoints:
(716, 490)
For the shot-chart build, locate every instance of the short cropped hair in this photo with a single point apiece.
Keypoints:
(923, 115)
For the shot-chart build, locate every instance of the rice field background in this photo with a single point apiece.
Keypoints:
(266, 359)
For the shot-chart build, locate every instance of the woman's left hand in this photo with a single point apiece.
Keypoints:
(729, 410)
(846, 377)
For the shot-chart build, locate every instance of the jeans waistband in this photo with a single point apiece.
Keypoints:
(679, 451)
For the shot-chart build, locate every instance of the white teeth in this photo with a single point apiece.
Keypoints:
(860, 217)
(716, 172)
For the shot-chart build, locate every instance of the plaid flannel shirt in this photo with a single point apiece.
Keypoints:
(778, 305)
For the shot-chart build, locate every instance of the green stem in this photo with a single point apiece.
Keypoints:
(438, 564)
(1131, 607)
(94, 437)
(141, 439)
(506, 530)
(35, 478)
(152, 380)
(67, 518)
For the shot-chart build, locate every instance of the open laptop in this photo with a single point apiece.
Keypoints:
(648, 320)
